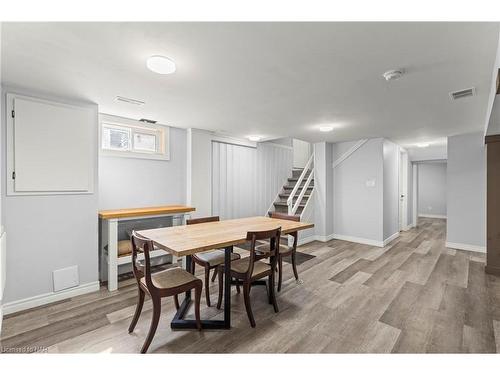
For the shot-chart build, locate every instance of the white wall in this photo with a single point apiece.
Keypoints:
(130, 182)
(432, 189)
(433, 152)
(358, 208)
(274, 165)
(409, 184)
(301, 153)
(391, 189)
(323, 191)
(466, 188)
(46, 233)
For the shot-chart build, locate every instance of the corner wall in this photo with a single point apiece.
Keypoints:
(46, 233)
(466, 198)
(391, 191)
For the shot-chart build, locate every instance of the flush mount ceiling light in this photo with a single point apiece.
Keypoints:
(392, 75)
(325, 128)
(160, 64)
(422, 145)
(254, 138)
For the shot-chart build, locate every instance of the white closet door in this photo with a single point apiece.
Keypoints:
(233, 181)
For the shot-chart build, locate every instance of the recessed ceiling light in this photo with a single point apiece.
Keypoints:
(422, 145)
(160, 64)
(325, 129)
(391, 75)
(254, 138)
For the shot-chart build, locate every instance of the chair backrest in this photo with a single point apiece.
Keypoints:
(272, 235)
(201, 220)
(283, 216)
(142, 245)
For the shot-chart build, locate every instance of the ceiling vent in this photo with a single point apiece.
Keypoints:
(148, 121)
(462, 93)
(129, 100)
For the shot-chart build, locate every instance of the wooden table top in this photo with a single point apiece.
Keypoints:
(144, 211)
(191, 239)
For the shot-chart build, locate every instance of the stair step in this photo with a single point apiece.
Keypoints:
(284, 209)
(287, 195)
(286, 205)
(290, 188)
(295, 179)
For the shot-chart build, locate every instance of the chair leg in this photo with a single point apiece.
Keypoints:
(193, 266)
(272, 292)
(246, 295)
(238, 288)
(221, 287)
(280, 271)
(154, 323)
(215, 274)
(294, 266)
(207, 285)
(138, 311)
(176, 301)
(197, 298)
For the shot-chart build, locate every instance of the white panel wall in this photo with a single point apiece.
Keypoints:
(274, 166)
(233, 181)
(49, 232)
(466, 188)
(301, 153)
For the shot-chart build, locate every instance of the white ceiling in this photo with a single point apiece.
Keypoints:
(272, 79)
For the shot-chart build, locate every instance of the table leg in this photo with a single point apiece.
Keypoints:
(112, 254)
(178, 322)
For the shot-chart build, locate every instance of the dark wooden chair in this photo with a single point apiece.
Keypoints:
(165, 283)
(210, 259)
(284, 250)
(248, 270)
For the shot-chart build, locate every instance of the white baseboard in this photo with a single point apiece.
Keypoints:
(365, 241)
(466, 247)
(308, 239)
(433, 216)
(43, 299)
(391, 238)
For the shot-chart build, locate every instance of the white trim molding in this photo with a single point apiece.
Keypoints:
(43, 299)
(391, 238)
(431, 216)
(365, 241)
(466, 247)
(349, 152)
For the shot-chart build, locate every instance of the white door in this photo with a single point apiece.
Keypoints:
(233, 181)
(403, 190)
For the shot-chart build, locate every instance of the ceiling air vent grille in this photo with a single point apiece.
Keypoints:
(462, 93)
(129, 100)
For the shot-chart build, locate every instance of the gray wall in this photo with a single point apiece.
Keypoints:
(410, 194)
(46, 233)
(130, 182)
(466, 198)
(358, 208)
(432, 189)
(391, 188)
(323, 186)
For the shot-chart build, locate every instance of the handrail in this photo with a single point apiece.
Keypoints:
(302, 192)
(297, 185)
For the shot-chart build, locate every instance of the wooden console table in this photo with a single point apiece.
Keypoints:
(109, 232)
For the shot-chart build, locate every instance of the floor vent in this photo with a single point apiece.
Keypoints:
(463, 93)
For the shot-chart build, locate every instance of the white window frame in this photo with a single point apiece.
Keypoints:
(163, 147)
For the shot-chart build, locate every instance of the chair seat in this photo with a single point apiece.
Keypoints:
(266, 249)
(214, 258)
(171, 278)
(241, 266)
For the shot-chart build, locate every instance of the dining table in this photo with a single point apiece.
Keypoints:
(186, 240)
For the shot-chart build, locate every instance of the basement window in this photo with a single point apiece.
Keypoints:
(129, 138)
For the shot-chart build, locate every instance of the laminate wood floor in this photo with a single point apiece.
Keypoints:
(414, 295)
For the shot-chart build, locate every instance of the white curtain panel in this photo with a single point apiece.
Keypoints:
(234, 183)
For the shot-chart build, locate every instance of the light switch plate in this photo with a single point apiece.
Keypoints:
(370, 183)
(65, 278)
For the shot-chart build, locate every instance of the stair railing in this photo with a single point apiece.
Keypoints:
(292, 208)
